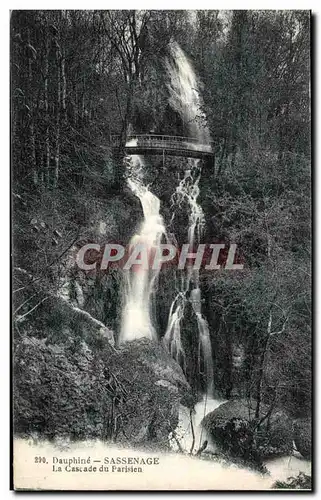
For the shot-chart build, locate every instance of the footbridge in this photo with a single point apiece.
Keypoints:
(150, 144)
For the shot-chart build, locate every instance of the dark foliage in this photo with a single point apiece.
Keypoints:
(300, 482)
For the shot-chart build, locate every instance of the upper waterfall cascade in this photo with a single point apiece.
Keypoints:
(184, 94)
(137, 319)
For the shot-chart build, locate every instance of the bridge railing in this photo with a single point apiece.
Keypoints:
(154, 141)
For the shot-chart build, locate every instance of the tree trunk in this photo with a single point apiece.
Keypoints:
(58, 104)
(64, 85)
(46, 105)
(32, 138)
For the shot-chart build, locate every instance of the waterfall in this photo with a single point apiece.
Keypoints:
(184, 94)
(139, 282)
(185, 98)
(137, 320)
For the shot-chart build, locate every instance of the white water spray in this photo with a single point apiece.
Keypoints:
(139, 282)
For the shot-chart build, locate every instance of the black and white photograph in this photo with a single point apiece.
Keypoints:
(161, 204)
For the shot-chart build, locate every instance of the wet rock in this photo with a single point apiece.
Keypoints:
(233, 427)
(152, 356)
(303, 437)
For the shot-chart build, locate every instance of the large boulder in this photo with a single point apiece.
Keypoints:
(155, 386)
(233, 428)
(152, 356)
(303, 436)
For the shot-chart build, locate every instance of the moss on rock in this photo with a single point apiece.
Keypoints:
(71, 389)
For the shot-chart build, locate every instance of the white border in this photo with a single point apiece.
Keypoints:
(164, 4)
(4, 181)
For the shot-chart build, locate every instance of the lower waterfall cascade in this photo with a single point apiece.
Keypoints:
(139, 282)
